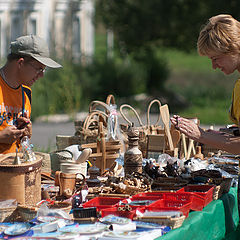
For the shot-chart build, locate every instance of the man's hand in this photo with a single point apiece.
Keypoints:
(10, 134)
(26, 124)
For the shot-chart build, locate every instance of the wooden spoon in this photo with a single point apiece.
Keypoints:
(175, 137)
(165, 118)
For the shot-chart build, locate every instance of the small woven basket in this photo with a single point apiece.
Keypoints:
(166, 184)
(27, 213)
(65, 206)
(222, 186)
(173, 222)
(8, 214)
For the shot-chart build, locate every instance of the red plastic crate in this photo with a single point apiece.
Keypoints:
(169, 205)
(204, 191)
(114, 211)
(156, 194)
(102, 202)
(196, 200)
(137, 198)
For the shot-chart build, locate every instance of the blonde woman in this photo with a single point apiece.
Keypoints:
(219, 40)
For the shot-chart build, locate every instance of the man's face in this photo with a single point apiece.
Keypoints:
(33, 70)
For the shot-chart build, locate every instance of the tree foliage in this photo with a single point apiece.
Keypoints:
(171, 23)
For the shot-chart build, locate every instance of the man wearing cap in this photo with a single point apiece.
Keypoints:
(25, 64)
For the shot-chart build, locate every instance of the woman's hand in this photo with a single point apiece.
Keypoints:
(188, 127)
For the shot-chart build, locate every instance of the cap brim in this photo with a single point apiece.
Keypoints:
(47, 62)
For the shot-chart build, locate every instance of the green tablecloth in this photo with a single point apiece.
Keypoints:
(218, 218)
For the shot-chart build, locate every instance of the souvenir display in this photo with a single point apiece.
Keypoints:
(107, 187)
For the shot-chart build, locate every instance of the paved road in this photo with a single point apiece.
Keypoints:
(44, 134)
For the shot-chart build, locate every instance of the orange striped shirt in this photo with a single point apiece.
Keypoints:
(11, 104)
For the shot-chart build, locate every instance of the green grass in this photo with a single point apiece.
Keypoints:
(180, 61)
(212, 113)
(207, 91)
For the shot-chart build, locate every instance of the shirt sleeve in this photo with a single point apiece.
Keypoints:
(236, 102)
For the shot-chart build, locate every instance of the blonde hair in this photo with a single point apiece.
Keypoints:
(221, 35)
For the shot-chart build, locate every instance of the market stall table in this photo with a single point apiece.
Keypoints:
(214, 222)
(217, 219)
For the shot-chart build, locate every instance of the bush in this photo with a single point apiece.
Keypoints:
(122, 78)
(71, 88)
(57, 92)
(155, 67)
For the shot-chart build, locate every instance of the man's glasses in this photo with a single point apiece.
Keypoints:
(38, 70)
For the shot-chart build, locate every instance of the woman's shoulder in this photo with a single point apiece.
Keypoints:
(237, 84)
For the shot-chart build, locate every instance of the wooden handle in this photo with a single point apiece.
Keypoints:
(190, 147)
(184, 145)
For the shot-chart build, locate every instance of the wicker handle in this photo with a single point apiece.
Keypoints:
(135, 112)
(58, 181)
(5, 156)
(94, 104)
(90, 118)
(110, 100)
(148, 112)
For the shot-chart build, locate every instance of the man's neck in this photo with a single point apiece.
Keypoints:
(8, 76)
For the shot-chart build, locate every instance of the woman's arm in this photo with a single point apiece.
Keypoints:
(216, 139)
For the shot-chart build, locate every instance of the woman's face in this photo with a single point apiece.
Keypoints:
(227, 63)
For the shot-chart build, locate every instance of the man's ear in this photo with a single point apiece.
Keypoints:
(20, 61)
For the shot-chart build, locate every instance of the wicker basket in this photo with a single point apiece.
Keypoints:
(173, 222)
(21, 182)
(88, 130)
(166, 183)
(27, 213)
(8, 214)
(144, 130)
(222, 186)
(65, 206)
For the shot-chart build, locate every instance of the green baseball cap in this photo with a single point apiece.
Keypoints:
(35, 47)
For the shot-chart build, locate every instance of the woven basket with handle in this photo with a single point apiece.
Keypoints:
(98, 112)
(144, 130)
